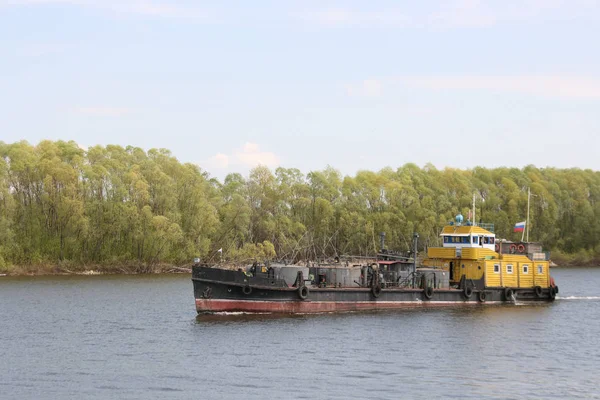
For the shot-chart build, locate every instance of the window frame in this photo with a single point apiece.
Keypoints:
(525, 269)
(540, 269)
(511, 270)
(497, 270)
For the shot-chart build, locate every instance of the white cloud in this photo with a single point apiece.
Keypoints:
(342, 16)
(219, 160)
(543, 85)
(478, 13)
(140, 7)
(102, 111)
(250, 155)
(455, 14)
(463, 13)
(547, 86)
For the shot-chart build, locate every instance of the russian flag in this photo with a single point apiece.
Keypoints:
(519, 227)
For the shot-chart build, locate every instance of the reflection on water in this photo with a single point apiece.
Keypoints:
(102, 337)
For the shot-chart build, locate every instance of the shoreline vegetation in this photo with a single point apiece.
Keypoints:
(114, 209)
(68, 269)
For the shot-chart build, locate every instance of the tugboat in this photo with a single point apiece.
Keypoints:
(471, 268)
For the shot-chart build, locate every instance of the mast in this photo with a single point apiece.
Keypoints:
(527, 222)
(474, 219)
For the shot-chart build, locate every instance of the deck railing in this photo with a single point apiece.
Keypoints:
(486, 226)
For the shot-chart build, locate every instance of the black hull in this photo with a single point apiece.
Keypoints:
(231, 291)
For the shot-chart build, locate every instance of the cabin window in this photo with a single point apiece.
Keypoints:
(525, 269)
(446, 239)
(465, 239)
(475, 239)
(509, 269)
(492, 240)
(540, 269)
(486, 240)
(496, 268)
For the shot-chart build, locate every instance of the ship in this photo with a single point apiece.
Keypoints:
(471, 267)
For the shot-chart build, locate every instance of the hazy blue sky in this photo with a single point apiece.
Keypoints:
(352, 84)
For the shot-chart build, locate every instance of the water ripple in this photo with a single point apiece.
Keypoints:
(102, 338)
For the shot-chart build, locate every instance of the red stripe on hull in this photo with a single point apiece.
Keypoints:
(290, 307)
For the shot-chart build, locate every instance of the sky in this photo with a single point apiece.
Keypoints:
(354, 85)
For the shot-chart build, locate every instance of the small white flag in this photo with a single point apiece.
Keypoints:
(220, 250)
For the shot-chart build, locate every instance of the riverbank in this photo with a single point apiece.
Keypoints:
(579, 259)
(91, 269)
(68, 268)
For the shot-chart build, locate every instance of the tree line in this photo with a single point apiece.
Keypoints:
(122, 205)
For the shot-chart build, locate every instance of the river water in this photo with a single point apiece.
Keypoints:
(138, 337)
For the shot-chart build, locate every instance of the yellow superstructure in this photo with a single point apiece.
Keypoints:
(469, 252)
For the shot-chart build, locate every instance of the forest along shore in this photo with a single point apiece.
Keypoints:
(65, 208)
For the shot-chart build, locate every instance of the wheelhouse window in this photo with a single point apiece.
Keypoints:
(509, 269)
(525, 269)
(496, 268)
(540, 269)
(475, 239)
(446, 239)
(487, 240)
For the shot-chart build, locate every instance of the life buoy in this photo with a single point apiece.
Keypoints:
(508, 294)
(497, 248)
(468, 292)
(246, 290)
(428, 292)
(538, 291)
(482, 296)
(552, 293)
(376, 290)
(303, 292)
(513, 248)
(521, 248)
